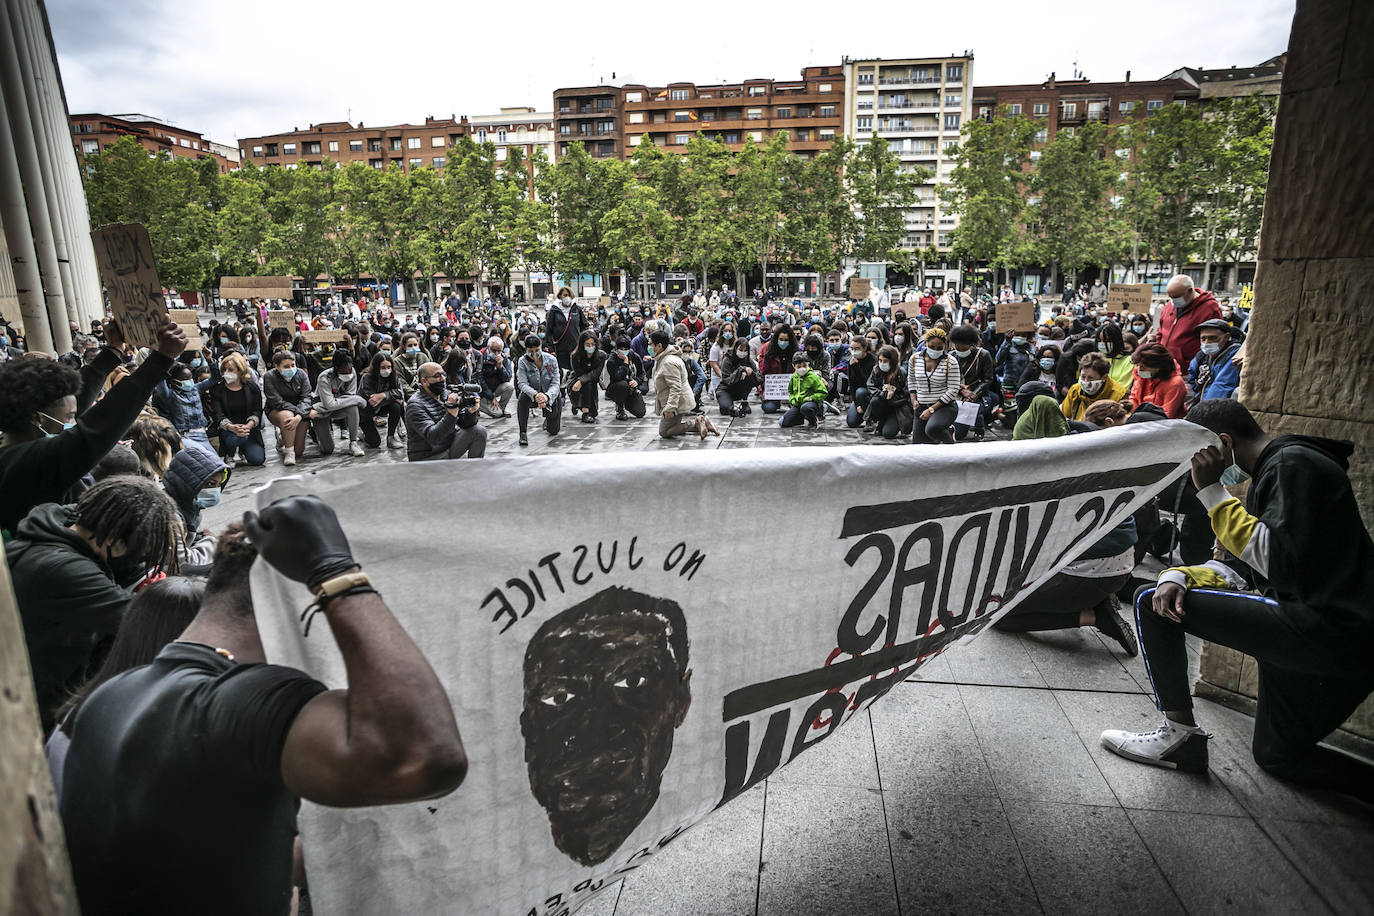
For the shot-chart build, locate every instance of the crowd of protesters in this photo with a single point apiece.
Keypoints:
(139, 624)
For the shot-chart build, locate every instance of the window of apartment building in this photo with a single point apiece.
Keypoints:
(1015, 110)
(412, 143)
(951, 145)
(954, 72)
(1154, 105)
(681, 116)
(395, 144)
(1095, 110)
(565, 128)
(985, 112)
(951, 122)
(501, 135)
(1042, 135)
(375, 163)
(1068, 131)
(634, 96)
(681, 139)
(90, 146)
(825, 134)
(333, 146)
(782, 112)
(1126, 107)
(481, 135)
(636, 139)
(1035, 155)
(754, 114)
(355, 146)
(732, 137)
(195, 144)
(636, 117)
(1040, 109)
(396, 162)
(953, 101)
(374, 146)
(288, 149)
(257, 151)
(827, 111)
(677, 95)
(865, 77)
(312, 148)
(415, 163)
(440, 161)
(1069, 110)
(436, 142)
(866, 106)
(186, 143)
(864, 122)
(1123, 154)
(758, 90)
(824, 87)
(271, 149)
(756, 136)
(501, 154)
(603, 104)
(605, 126)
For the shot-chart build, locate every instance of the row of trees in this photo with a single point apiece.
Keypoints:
(1172, 185)
(708, 209)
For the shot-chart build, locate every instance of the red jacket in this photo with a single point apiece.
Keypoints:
(1178, 332)
(1167, 394)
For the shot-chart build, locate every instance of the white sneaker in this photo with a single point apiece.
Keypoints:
(1175, 747)
(393, 442)
(355, 449)
(289, 457)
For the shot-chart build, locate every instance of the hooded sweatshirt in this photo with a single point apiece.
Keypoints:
(1301, 532)
(68, 601)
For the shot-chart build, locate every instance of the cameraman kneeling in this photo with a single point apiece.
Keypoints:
(441, 423)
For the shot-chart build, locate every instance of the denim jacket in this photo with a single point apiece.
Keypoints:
(183, 409)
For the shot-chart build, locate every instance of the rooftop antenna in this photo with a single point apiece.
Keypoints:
(1076, 73)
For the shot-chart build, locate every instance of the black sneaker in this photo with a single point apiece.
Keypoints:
(524, 439)
(621, 415)
(1111, 625)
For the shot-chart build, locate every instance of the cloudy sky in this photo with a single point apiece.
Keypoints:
(254, 67)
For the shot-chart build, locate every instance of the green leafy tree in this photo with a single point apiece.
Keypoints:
(1068, 207)
(986, 189)
(882, 193)
(1176, 146)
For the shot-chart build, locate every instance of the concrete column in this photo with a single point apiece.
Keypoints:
(20, 252)
(1305, 370)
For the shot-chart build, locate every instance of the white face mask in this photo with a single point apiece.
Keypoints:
(1178, 301)
(1091, 387)
(386, 373)
(1145, 373)
(231, 378)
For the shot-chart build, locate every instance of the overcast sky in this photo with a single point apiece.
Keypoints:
(252, 67)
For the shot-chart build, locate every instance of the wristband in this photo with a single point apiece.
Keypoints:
(337, 585)
(308, 615)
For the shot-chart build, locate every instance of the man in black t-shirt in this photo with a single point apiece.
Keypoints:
(184, 776)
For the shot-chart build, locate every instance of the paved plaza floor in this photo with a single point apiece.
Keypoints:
(978, 786)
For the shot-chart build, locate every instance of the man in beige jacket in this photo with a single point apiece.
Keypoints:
(672, 394)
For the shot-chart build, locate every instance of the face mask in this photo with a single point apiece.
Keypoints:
(231, 378)
(386, 350)
(589, 350)
(1101, 347)
(1019, 341)
(65, 426)
(344, 378)
(385, 373)
(288, 374)
(1138, 329)
(992, 325)
(1145, 373)
(784, 343)
(1092, 387)
(899, 339)
(1047, 364)
(856, 354)
(197, 363)
(1211, 349)
(208, 497)
(434, 338)
(1179, 302)
(884, 366)
(186, 385)
(464, 343)
(436, 389)
(741, 354)
(412, 351)
(935, 353)
(727, 336)
(963, 351)
(223, 341)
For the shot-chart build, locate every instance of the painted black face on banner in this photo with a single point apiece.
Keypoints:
(606, 683)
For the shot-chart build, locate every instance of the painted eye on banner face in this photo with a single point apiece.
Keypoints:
(631, 682)
(558, 699)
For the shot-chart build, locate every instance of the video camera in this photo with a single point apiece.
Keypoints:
(467, 394)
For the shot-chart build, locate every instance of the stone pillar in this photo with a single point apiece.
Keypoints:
(1305, 366)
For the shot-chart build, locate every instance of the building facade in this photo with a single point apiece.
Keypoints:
(1073, 103)
(1265, 78)
(810, 110)
(918, 105)
(92, 133)
(407, 146)
(590, 115)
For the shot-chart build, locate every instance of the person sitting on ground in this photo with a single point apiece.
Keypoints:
(806, 393)
(857, 371)
(195, 480)
(1041, 368)
(537, 378)
(627, 380)
(1300, 540)
(286, 389)
(381, 390)
(409, 359)
(934, 384)
(49, 443)
(495, 374)
(235, 406)
(672, 394)
(71, 568)
(1105, 414)
(739, 376)
(209, 750)
(155, 617)
(438, 425)
(179, 399)
(1112, 345)
(1158, 381)
(1094, 384)
(775, 358)
(587, 362)
(977, 377)
(1041, 419)
(889, 407)
(336, 390)
(1213, 374)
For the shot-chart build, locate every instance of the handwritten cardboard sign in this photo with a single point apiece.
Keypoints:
(859, 288)
(184, 316)
(775, 386)
(1129, 297)
(255, 287)
(1016, 316)
(281, 318)
(124, 256)
(325, 337)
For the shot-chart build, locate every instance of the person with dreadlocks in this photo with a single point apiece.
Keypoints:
(71, 567)
(54, 435)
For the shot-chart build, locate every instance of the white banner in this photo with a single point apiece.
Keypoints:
(745, 625)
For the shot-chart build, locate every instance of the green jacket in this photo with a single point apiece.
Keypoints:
(802, 388)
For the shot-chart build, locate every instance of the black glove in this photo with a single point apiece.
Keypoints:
(302, 538)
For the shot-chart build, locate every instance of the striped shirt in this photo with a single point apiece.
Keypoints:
(938, 386)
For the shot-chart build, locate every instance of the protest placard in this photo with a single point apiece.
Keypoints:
(255, 287)
(775, 386)
(618, 680)
(325, 337)
(124, 257)
(1129, 297)
(859, 288)
(1015, 316)
(281, 318)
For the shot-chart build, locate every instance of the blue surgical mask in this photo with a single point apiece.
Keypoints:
(65, 426)
(784, 343)
(412, 351)
(884, 366)
(197, 362)
(1211, 349)
(288, 374)
(1019, 341)
(1101, 347)
(1047, 364)
(208, 497)
(186, 385)
(1138, 329)
(1233, 476)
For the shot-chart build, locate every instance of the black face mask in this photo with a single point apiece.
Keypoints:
(436, 389)
(464, 344)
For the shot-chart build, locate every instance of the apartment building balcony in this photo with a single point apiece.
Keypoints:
(907, 81)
